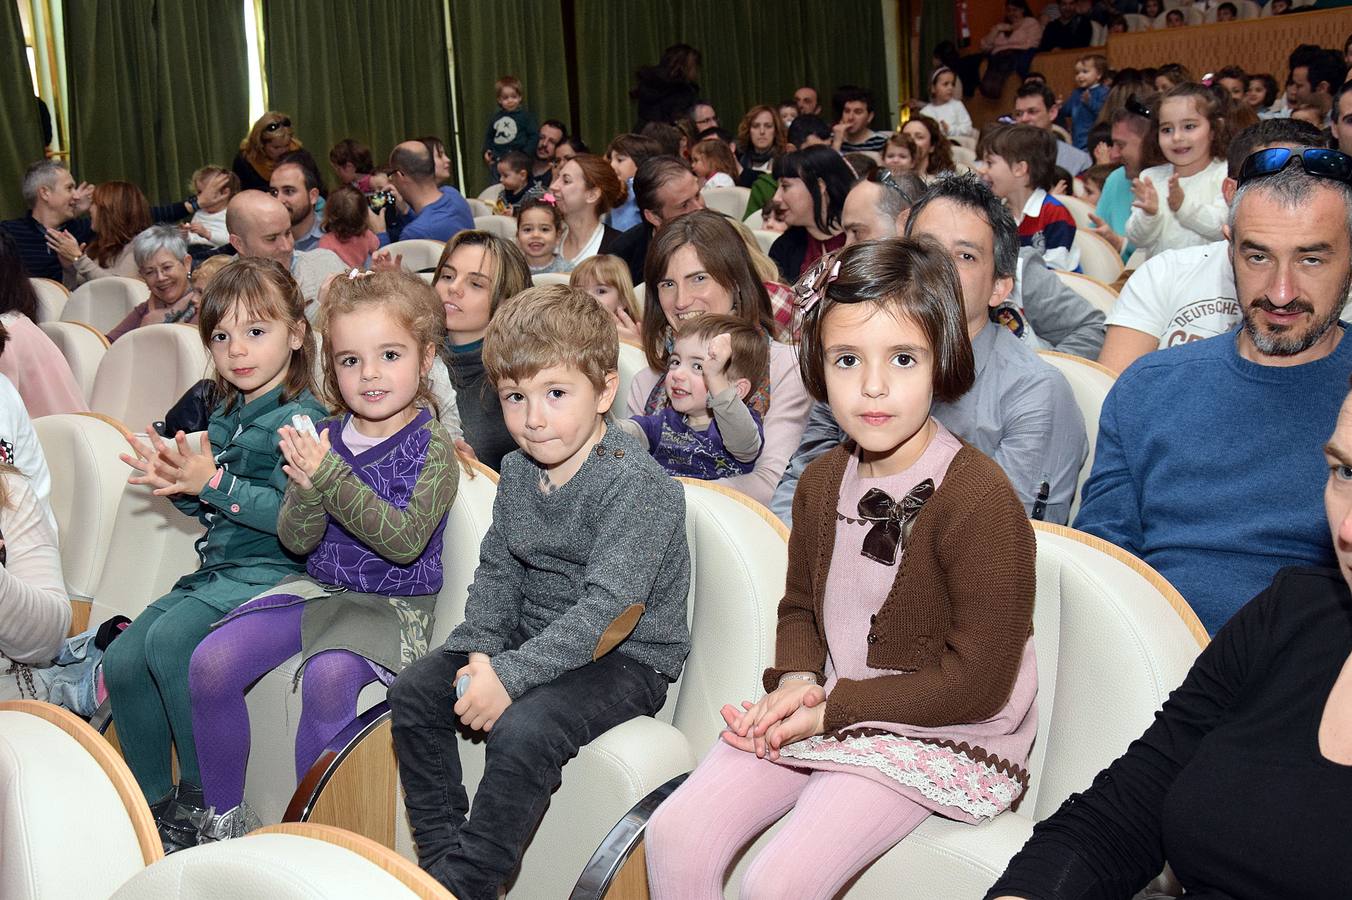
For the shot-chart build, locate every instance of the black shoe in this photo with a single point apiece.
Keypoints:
(179, 818)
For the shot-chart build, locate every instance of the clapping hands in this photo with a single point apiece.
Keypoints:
(171, 469)
(303, 454)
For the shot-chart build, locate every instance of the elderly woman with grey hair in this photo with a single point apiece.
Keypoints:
(162, 260)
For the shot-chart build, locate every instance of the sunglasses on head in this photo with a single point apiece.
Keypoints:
(1315, 160)
(1136, 106)
(278, 125)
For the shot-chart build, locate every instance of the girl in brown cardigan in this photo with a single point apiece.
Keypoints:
(904, 681)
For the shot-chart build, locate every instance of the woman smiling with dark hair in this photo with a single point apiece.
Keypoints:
(698, 265)
(813, 183)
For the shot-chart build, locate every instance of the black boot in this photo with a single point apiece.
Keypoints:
(179, 817)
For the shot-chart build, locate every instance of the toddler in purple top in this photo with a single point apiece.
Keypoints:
(707, 431)
(367, 499)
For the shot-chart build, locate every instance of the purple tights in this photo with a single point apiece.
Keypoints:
(232, 658)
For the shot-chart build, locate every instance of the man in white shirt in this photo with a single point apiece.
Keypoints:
(1186, 295)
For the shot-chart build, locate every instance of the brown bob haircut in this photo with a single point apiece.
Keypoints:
(551, 325)
(750, 357)
(911, 278)
(1027, 144)
(261, 289)
(405, 298)
(725, 259)
(511, 273)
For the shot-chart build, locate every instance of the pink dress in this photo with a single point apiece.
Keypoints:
(39, 370)
(967, 772)
(353, 252)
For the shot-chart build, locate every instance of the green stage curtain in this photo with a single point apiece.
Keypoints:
(754, 52)
(157, 89)
(21, 137)
(936, 26)
(371, 71)
(507, 37)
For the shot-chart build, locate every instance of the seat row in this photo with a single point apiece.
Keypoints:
(1112, 639)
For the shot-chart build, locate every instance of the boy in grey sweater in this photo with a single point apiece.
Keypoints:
(576, 620)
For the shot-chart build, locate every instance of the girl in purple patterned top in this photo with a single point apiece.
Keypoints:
(367, 499)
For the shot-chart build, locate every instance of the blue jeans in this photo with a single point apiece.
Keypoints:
(527, 748)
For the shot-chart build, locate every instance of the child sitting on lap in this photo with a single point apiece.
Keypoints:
(586, 528)
(708, 431)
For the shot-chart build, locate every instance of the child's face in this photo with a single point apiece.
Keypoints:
(700, 163)
(379, 366)
(787, 113)
(1174, 19)
(1002, 178)
(536, 236)
(512, 180)
(509, 99)
(879, 382)
(1163, 83)
(1235, 87)
(942, 91)
(1086, 75)
(686, 388)
(253, 354)
(898, 159)
(347, 172)
(605, 294)
(1225, 14)
(465, 286)
(1152, 8)
(556, 416)
(1256, 93)
(1092, 192)
(1185, 135)
(624, 167)
(773, 219)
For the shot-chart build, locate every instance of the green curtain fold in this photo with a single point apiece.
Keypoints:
(157, 89)
(21, 136)
(754, 52)
(371, 71)
(506, 37)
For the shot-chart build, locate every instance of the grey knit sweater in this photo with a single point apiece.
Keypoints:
(555, 570)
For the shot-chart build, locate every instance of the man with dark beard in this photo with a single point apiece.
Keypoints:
(1207, 464)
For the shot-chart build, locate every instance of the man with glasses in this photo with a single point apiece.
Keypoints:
(1208, 464)
(702, 114)
(1188, 294)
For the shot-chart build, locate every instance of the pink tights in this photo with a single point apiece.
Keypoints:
(840, 823)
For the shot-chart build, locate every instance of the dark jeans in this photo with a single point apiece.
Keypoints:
(527, 748)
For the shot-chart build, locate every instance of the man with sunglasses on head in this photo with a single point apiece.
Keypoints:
(1207, 465)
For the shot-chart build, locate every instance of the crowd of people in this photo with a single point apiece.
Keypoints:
(874, 378)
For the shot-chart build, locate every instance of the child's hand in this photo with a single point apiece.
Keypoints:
(807, 720)
(1105, 231)
(1175, 193)
(1061, 189)
(303, 454)
(384, 261)
(215, 190)
(1147, 198)
(746, 730)
(196, 228)
(486, 700)
(1103, 153)
(488, 157)
(171, 469)
(626, 326)
(716, 363)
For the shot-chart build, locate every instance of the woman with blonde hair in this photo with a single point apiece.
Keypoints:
(268, 141)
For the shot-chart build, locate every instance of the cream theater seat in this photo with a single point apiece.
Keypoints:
(147, 371)
(730, 201)
(1090, 383)
(632, 362)
(549, 278)
(420, 254)
(1113, 638)
(503, 226)
(52, 298)
(73, 822)
(104, 302)
(1100, 296)
(1098, 259)
(83, 346)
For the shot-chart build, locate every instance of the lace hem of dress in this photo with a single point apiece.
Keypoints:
(967, 780)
